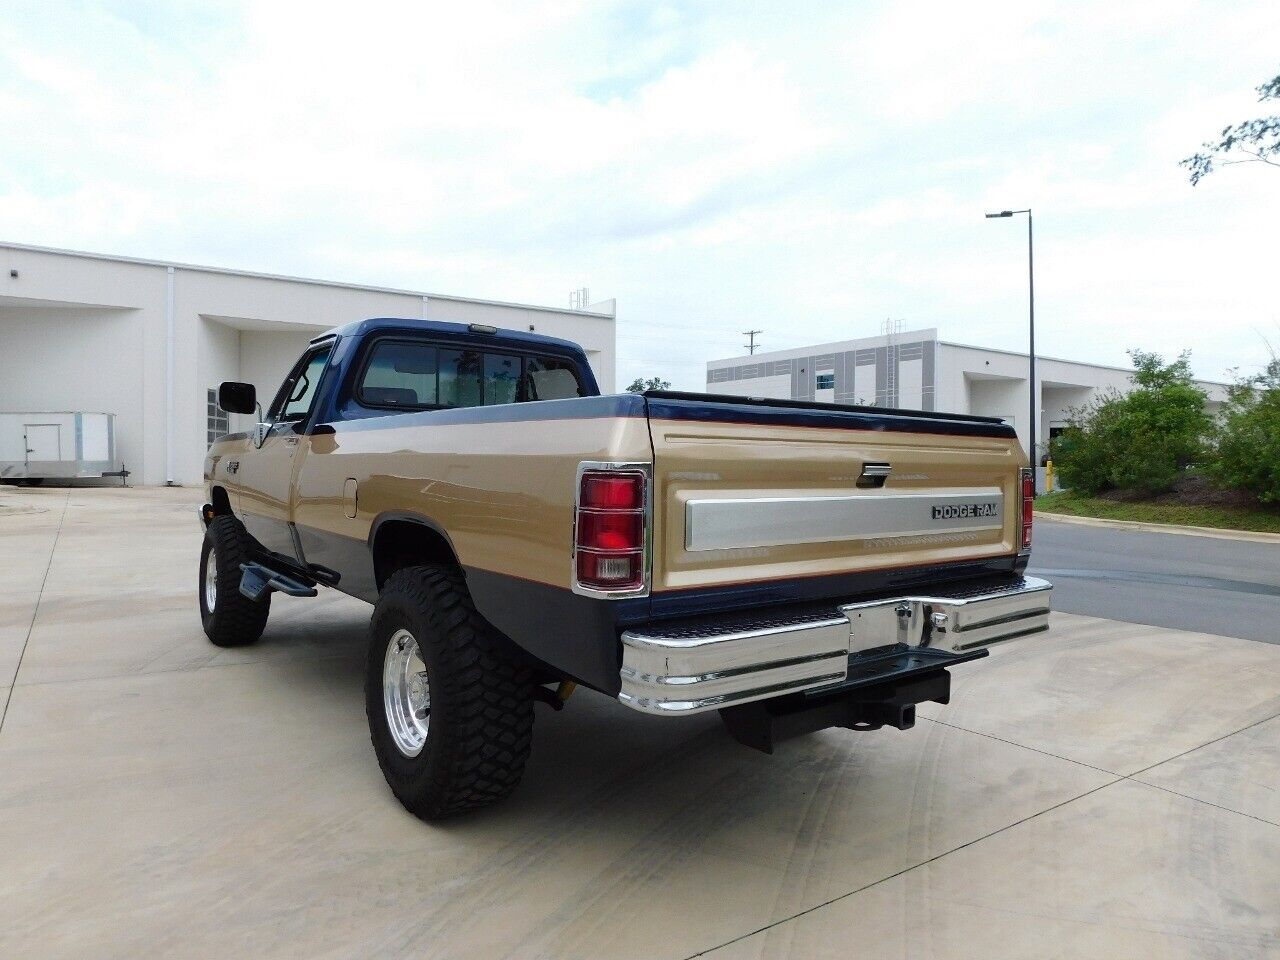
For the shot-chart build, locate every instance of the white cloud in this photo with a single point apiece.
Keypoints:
(805, 170)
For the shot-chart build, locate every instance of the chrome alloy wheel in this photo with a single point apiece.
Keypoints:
(211, 581)
(406, 694)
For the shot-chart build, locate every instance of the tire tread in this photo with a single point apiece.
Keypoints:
(487, 691)
(237, 621)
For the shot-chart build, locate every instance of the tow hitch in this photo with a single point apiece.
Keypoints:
(888, 703)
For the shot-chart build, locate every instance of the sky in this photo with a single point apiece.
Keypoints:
(808, 170)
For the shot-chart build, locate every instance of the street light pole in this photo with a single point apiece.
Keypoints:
(1031, 321)
(1032, 426)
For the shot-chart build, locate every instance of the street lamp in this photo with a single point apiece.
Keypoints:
(1031, 293)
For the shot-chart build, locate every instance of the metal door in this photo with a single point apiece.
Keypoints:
(44, 442)
(266, 492)
(266, 489)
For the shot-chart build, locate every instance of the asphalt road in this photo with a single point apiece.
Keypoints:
(1205, 584)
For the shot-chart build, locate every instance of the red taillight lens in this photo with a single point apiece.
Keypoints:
(610, 531)
(610, 538)
(1028, 506)
(605, 491)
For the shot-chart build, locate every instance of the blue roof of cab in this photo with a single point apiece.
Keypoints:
(516, 338)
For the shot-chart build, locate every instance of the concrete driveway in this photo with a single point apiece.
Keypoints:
(1107, 790)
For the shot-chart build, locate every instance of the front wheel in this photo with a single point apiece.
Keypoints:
(449, 700)
(230, 619)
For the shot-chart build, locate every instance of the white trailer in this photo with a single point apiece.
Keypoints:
(45, 445)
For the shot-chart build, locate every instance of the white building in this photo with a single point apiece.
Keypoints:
(148, 340)
(915, 370)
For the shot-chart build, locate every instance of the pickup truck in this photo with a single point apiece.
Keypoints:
(793, 565)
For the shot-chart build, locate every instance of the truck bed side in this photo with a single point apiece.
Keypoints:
(498, 483)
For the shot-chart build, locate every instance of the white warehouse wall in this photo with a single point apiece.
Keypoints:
(82, 331)
(915, 370)
(981, 381)
(68, 359)
(267, 357)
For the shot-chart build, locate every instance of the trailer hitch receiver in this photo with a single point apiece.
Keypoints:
(891, 703)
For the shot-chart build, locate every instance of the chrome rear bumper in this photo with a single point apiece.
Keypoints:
(690, 667)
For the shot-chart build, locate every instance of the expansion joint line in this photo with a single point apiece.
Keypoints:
(34, 612)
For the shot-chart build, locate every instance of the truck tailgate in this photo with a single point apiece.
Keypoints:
(756, 491)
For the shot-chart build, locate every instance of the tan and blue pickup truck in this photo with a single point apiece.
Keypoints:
(795, 566)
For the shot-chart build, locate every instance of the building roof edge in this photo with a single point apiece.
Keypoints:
(257, 275)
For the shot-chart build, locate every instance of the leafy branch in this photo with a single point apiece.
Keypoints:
(1257, 140)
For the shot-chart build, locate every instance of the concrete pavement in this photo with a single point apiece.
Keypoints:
(1105, 790)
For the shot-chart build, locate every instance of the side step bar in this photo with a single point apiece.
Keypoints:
(256, 581)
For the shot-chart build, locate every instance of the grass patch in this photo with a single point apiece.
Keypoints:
(1193, 515)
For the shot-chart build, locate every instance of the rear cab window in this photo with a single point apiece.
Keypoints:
(415, 375)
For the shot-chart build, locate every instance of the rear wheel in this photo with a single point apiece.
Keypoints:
(449, 699)
(230, 619)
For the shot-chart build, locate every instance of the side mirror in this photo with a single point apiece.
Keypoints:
(236, 397)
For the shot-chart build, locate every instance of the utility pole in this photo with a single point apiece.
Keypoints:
(751, 346)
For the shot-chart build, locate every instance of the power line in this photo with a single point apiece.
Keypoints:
(667, 340)
(677, 326)
(751, 345)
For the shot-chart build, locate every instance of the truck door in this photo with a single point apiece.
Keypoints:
(267, 472)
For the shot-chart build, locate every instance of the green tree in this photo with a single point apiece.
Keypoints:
(1139, 440)
(1248, 452)
(640, 384)
(1253, 141)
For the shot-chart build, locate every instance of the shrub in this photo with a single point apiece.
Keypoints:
(1248, 452)
(1137, 441)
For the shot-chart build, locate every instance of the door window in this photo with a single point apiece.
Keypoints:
(299, 391)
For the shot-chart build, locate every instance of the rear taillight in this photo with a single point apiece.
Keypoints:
(610, 529)
(1028, 506)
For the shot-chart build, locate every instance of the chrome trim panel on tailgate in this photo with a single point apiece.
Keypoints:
(722, 524)
(689, 667)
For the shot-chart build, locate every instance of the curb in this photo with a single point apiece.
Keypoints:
(1216, 533)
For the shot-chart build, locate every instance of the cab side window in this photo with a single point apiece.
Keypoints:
(400, 374)
(546, 378)
(296, 396)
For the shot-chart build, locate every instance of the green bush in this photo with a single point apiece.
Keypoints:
(1248, 452)
(1137, 441)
